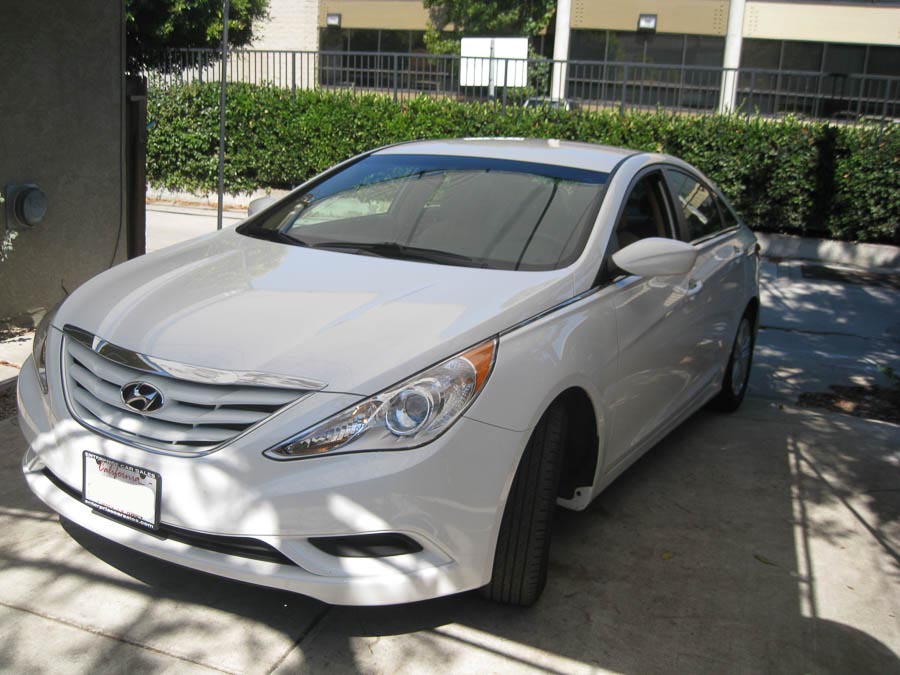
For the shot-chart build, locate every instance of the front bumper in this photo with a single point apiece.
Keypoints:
(447, 496)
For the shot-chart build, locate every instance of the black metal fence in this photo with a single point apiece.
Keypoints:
(588, 84)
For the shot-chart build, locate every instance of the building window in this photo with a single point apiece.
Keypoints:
(663, 49)
(846, 59)
(588, 45)
(371, 40)
(883, 61)
(626, 46)
(757, 53)
(704, 50)
(801, 56)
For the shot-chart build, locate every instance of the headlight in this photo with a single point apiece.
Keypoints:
(407, 415)
(39, 346)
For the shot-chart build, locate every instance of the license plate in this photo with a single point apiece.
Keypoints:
(122, 490)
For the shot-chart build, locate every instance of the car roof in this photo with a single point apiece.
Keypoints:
(540, 151)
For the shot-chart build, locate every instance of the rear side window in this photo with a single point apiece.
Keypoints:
(701, 215)
(729, 220)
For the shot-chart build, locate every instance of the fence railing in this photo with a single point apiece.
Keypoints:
(588, 84)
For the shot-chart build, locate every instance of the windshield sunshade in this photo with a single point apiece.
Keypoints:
(470, 211)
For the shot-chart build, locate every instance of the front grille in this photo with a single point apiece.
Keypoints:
(196, 416)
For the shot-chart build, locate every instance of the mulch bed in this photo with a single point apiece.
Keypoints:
(874, 403)
(10, 331)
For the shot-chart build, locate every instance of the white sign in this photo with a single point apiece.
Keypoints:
(494, 62)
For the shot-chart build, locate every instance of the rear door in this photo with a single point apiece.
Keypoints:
(716, 282)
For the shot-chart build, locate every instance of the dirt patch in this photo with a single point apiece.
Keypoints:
(874, 402)
(8, 407)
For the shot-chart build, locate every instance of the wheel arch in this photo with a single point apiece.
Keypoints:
(581, 448)
(753, 309)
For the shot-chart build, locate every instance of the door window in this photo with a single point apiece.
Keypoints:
(645, 214)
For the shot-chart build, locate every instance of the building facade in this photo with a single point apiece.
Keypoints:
(835, 37)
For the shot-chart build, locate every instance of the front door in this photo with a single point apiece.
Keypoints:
(657, 328)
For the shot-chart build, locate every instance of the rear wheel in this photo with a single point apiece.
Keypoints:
(737, 372)
(523, 544)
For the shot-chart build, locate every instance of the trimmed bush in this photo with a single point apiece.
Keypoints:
(785, 176)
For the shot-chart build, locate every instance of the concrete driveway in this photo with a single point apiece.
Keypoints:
(764, 541)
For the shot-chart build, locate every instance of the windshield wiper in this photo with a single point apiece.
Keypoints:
(272, 235)
(389, 249)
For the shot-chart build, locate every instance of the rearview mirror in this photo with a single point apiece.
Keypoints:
(258, 205)
(656, 257)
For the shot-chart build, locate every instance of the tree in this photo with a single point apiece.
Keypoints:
(463, 18)
(156, 25)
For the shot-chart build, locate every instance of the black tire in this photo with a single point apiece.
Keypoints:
(523, 544)
(734, 384)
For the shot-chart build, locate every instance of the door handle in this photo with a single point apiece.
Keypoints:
(694, 287)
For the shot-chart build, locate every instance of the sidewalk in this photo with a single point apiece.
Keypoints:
(172, 224)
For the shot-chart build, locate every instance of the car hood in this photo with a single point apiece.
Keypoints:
(356, 323)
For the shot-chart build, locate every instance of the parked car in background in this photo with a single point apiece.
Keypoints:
(552, 103)
(377, 388)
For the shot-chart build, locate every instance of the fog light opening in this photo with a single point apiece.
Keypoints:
(367, 545)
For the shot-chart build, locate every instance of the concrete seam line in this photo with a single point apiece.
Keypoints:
(886, 545)
(117, 638)
(300, 638)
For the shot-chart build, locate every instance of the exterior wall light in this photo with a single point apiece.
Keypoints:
(647, 23)
(333, 20)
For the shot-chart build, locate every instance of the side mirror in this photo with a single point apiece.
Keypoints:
(656, 257)
(258, 205)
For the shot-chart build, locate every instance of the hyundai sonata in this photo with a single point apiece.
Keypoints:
(376, 389)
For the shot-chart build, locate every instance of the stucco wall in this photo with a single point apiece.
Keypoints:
(61, 122)
(291, 25)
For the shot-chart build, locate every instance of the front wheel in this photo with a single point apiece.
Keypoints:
(523, 544)
(737, 372)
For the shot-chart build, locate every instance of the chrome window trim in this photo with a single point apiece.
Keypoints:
(183, 371)
(130, 441)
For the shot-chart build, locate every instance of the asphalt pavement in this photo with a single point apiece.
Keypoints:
(763, 541)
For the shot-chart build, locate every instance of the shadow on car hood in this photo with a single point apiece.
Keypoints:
(357, 323)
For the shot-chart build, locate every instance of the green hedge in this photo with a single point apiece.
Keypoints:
(788, 176)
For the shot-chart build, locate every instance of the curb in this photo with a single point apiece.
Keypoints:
(208, 200)
(877, 257)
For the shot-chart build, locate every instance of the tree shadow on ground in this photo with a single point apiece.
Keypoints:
(696, 559)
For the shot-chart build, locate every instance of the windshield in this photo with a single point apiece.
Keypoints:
(473, 211)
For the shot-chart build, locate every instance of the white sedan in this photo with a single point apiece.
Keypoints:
(376, 389)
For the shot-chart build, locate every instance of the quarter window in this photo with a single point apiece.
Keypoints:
(701, 215)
